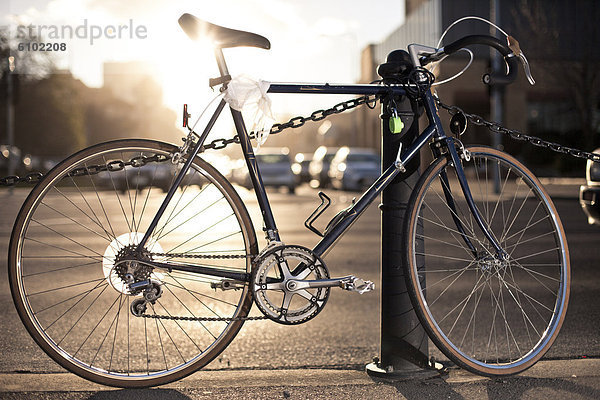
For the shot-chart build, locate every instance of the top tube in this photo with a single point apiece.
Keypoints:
(326, 88)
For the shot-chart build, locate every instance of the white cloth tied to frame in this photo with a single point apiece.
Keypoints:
(250, 96)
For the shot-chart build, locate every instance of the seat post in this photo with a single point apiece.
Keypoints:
(221, 62)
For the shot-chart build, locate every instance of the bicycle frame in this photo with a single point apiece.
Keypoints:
(433, 131)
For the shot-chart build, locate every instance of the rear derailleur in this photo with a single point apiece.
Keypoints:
(151, 291)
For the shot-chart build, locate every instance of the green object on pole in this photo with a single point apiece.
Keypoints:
(396, 124)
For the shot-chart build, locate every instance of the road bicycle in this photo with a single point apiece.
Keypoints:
(125, 285)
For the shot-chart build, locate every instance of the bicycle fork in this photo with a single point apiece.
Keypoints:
(456, 160)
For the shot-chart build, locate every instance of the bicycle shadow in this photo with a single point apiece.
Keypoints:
(145, 394)
(516, 387)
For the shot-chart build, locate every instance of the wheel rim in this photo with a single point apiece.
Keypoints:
(489, 315)
(82, 316)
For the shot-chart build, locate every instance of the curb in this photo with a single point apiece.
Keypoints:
(292, 378)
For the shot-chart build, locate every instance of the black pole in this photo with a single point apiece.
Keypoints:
(404, 343)
(496, 92)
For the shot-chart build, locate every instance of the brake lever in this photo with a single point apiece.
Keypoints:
(526, 68)
(513, 44)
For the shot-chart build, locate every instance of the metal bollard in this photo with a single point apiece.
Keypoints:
(404, 343)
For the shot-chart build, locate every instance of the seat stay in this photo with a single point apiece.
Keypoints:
(180, 176)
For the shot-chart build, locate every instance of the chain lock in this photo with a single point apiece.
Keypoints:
(316, 116)
(216, 144)
(516, 135)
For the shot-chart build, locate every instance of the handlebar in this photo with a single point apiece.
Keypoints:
(495, 78)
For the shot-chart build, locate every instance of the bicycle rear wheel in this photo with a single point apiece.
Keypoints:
(74, 299)
(490, 316)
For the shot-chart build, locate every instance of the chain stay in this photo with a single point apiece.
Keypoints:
(203, 256)
(202, 319)
(516, 135)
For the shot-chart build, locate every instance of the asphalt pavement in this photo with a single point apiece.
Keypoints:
(325, 358)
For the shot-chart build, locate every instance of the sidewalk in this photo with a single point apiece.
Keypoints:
(552, 379)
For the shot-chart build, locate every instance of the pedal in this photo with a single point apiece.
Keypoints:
(358, 285)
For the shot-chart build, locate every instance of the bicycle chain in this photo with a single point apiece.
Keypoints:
(202, 319)
(296, 122)
(516, 135)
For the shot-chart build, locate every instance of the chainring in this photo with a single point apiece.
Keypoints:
(275, 280)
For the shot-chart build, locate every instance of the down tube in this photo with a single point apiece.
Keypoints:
(367, 198)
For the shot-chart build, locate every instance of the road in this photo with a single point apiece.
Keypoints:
(346, 333)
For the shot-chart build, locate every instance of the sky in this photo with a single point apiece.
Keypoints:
(311, 40)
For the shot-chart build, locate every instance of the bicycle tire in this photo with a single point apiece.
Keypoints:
(73, 300)
(490, 317)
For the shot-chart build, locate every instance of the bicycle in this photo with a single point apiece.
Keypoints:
(126, 286)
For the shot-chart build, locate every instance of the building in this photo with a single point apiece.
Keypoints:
(555, 36)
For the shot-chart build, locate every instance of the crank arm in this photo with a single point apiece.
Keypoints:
(350, 282)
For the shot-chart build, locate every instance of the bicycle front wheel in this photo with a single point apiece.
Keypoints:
(73, 295)
(489, 315)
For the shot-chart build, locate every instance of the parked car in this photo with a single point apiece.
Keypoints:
(275, 169)
(300, 167)
(354, 168)
(589, 194)
(319, 166)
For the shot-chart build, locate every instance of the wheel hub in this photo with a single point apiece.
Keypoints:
(491, 264)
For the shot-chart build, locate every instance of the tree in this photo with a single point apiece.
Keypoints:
(50, 116)
(56, 114)
(30, 65)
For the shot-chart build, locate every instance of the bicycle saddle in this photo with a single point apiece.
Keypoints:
(221, 37)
